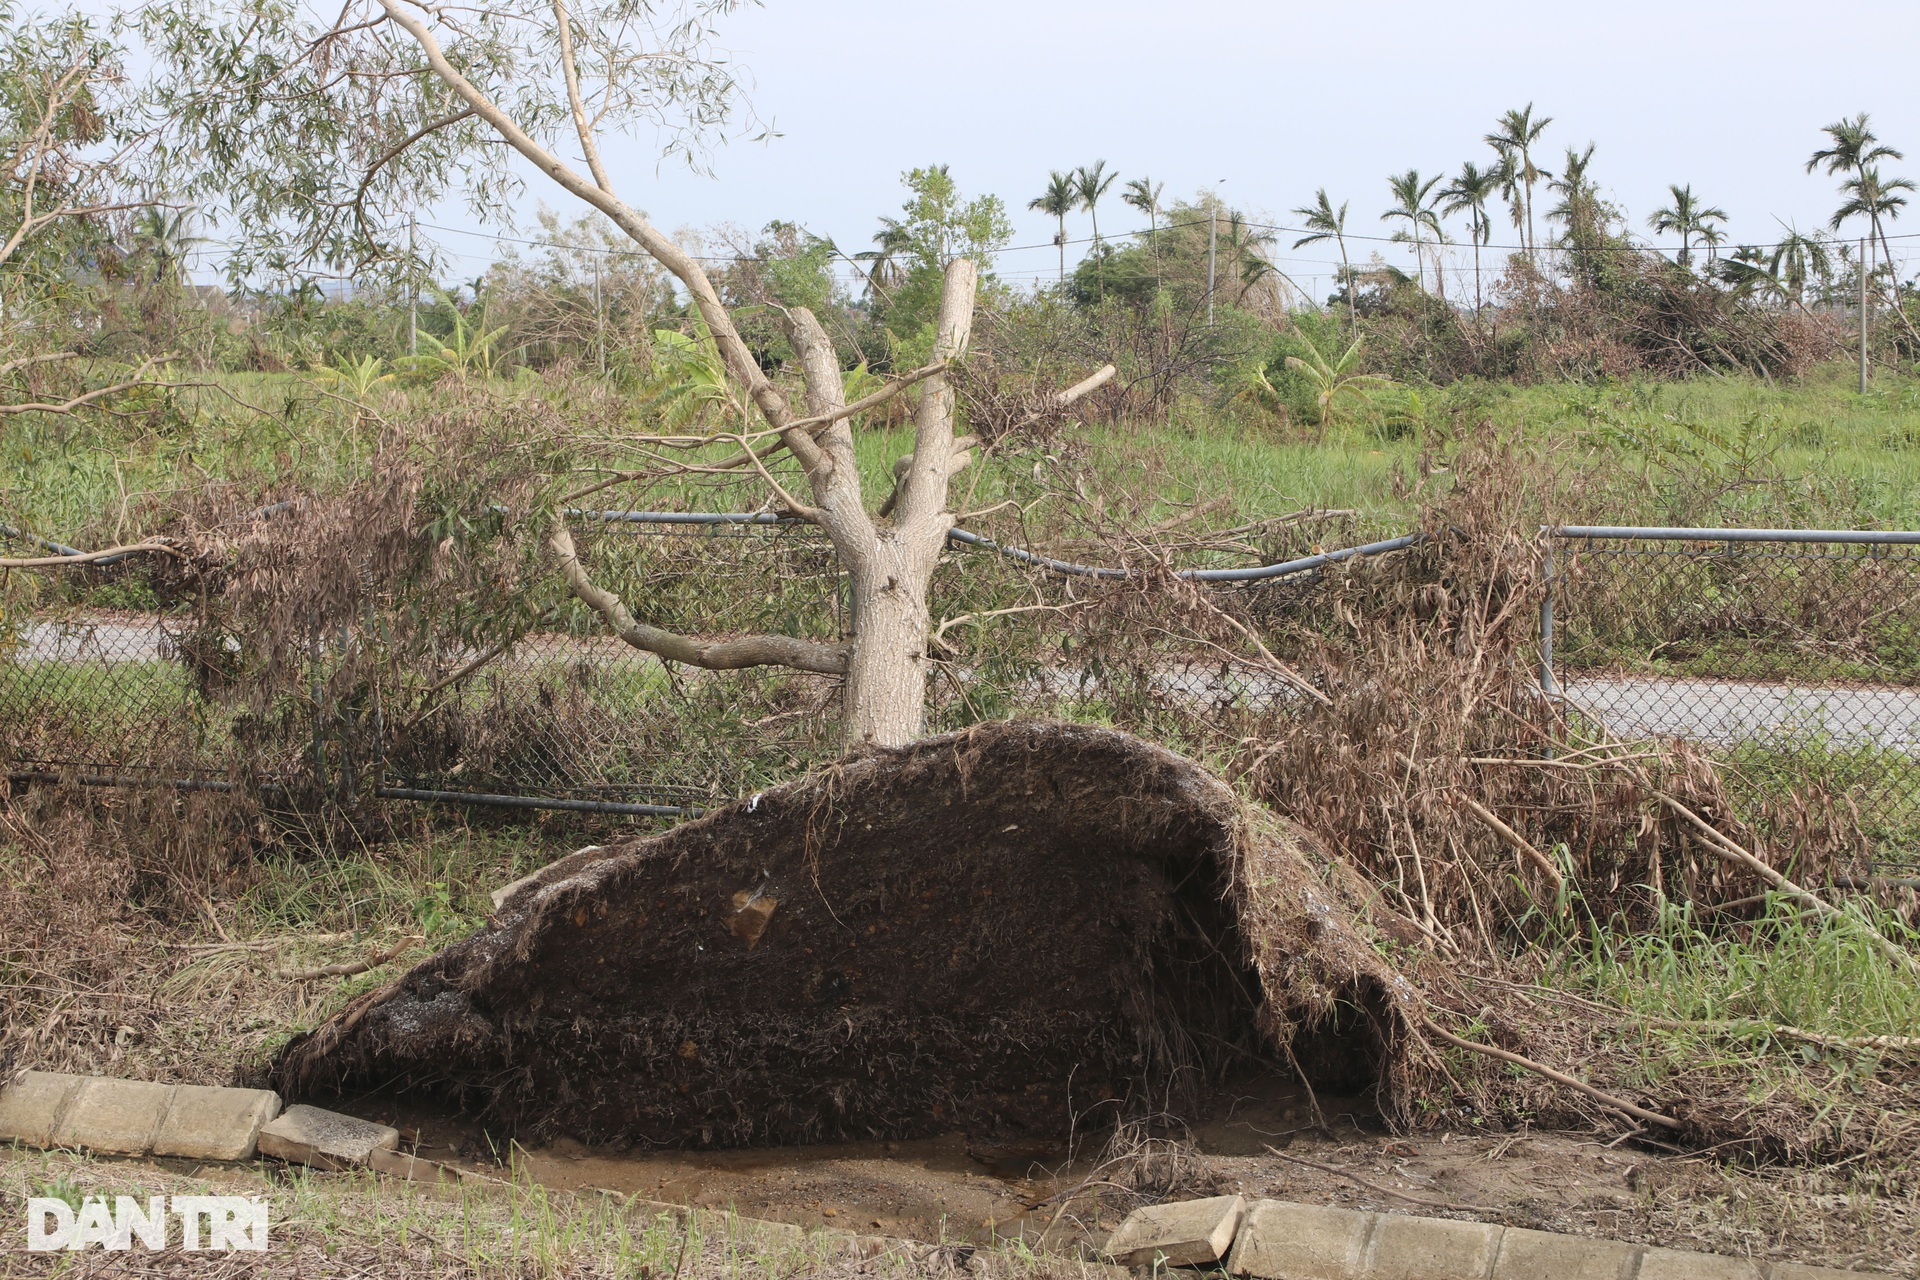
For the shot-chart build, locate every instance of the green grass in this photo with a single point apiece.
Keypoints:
(1788, 968)
(1735, 449)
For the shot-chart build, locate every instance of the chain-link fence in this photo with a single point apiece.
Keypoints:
(560, 715)
(1793, 656)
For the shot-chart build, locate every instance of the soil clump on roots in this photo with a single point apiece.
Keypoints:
(1009, 931)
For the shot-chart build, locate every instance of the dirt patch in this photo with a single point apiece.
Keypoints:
(1009, 932)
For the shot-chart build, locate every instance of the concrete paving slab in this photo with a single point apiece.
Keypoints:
(1188, 1233)
(1282, 1241)
(209, 1123)
(32, 1107)
(119, 1117)
(1408, 1248)
(325, 1139)
(1678, 1264)
(1546, 1255)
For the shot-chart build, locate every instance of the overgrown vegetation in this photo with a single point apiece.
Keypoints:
(343, 499)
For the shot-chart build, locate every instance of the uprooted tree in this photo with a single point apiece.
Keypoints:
(320, 134)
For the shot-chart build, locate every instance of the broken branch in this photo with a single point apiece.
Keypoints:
(49, 562)
(1518, 841)
(712, 655)
(1558, 1077)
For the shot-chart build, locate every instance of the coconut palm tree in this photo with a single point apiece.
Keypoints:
(1686, 217)
(883, 269)
(162, 238)
(1415, 207)
(1057, 201)
(1324, 222)
(1512, 139)
(1468, 193)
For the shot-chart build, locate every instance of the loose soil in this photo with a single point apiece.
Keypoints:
(1018, 932)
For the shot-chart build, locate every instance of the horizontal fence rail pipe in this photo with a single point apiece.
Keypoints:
(537, 802)
(1255, 574)
(58, 548)
(1880, 537)
(1287, 568)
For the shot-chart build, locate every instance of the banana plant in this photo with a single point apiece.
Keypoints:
(468, 350)
(354, 381)
(686, 380)
(1334, 379)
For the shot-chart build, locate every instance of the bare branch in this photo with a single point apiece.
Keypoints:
(53, 562)
(1558, 1077)
(713, 655)
(588, 147)
(23, 361)
(374, 169)
(1086, 386)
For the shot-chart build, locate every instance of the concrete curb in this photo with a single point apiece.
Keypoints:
(1272, 1240)
(133, 1117)
(1283, 1241)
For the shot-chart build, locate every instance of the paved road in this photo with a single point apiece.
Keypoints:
(1703, 710)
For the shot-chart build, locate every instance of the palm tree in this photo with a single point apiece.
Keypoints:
(1057, 201)
(163, 239)
(1512, 139)
(1090, 183)
(1854, 147)
(1797, 259)
(1579, 207)
(1416, 209)
(1858, 151)
(1688, 218)
(1468, 193)
(1876, 198)
(1144, 195)
(883, 263)
(1324, 222)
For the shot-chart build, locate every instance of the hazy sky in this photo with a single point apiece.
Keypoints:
(1278, 99)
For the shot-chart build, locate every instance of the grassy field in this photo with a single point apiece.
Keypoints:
(1736, 450)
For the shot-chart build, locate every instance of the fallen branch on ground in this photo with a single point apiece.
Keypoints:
(1731, 852)
(345, 970)
(1558, 1077)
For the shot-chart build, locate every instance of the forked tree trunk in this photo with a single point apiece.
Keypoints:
(891, 564)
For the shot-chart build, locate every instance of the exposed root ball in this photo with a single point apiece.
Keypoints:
(1000, 930)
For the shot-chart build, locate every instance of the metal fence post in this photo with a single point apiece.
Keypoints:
(1546, 617)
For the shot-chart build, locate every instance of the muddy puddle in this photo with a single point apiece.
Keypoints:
(942, 1188)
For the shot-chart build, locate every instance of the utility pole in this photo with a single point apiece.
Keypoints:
(1863, 315)
(1213, 230)
(413, 294)
(599, 318)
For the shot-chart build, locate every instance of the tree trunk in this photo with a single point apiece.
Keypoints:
(892, 568)
(886, 685)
